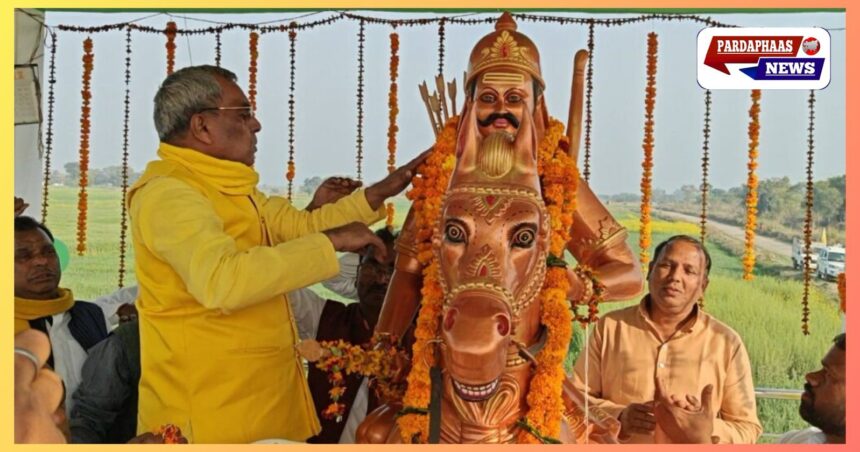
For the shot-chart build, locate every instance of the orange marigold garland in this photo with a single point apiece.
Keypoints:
(254, 39)
(393, 110)
(558, 175)
(841, 285)
(367, 360)
(430, 185)
(84, 150)
(170, 33)
(752, 188)
(648, 148)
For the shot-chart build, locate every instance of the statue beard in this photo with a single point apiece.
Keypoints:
(486, 122)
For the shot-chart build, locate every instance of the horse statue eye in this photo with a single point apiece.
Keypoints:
(524, 238)
(454, 233)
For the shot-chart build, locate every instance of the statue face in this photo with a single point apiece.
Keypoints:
(500, 104)
(492, 249)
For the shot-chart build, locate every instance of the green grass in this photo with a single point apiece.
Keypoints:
(765, 312)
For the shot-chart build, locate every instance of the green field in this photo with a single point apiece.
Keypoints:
(765, 312)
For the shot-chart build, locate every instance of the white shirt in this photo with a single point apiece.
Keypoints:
(811, 435)
(68, 354)
(110, 303)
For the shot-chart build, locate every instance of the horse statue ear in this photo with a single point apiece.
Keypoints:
(541, 116)
(467, 141)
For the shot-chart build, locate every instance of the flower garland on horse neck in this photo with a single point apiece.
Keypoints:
(559, 176)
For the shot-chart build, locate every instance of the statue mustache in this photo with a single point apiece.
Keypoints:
(494, 116)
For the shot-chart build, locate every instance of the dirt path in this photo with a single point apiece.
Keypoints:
(764, 243)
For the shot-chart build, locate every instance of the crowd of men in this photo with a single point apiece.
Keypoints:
(223, 270)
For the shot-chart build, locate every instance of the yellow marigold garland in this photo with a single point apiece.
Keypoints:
(559, 177)
(752, 187)
(170, 33)
(648, 148)
(84, 150)
(393, 110)
(254, 39)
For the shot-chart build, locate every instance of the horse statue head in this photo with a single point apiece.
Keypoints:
(491, 244)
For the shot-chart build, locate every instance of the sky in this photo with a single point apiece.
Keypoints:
(326, 78)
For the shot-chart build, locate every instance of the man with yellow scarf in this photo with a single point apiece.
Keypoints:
(72, 326)
(215, 257)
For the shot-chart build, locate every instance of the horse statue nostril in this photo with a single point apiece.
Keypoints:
(503, 325)
(449, 319)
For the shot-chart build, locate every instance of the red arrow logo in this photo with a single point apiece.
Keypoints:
(748, 49)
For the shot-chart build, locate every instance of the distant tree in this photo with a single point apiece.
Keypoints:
(311, 184)
(72, 173)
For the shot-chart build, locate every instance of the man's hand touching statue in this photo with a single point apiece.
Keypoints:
(331, 190)
(395, 182)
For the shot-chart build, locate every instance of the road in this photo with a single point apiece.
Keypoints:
(736, 232)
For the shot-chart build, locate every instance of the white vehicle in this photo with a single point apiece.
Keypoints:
(831, 262)
(797, 253)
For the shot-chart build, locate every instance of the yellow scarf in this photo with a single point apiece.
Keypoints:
(27, 309)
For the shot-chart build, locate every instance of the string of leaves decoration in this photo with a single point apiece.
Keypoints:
(291, 128)
(123, 223)
(218, 48)
(807, 219)
(49, 134)
(359, 95)
(706, 159)
(589, 89)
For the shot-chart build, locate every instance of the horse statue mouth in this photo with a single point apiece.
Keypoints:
(475, 393)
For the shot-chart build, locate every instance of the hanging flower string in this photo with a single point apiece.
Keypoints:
(170, 32)
(370, 360)
(393, 109)
(253, 39)
(752, 187)
(841, 286)
(807, 219)
(84, 149)
(123, 225)
(648, 148)
(291, 162)
(49, 134)
(589, 88)
(359, 100)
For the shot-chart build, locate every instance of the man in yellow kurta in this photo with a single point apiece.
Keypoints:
(215, 258)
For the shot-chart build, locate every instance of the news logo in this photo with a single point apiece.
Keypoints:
(763, 58)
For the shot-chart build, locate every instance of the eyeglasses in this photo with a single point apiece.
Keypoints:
(246, 109)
